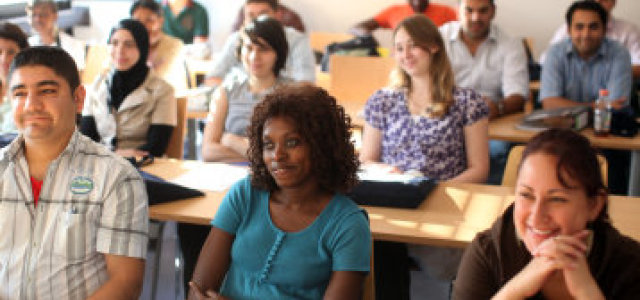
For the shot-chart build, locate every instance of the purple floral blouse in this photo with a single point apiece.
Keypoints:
(433, 146)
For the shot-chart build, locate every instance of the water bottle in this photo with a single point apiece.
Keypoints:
(602, 114)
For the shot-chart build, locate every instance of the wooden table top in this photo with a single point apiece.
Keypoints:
(504, 128)
(450, 216)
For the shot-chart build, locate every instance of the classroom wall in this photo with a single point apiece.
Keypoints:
(537, 19)
(103, 15)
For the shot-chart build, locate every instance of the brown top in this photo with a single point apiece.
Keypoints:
(495, 256)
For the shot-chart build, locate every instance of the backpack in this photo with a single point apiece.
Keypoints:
(358, 46)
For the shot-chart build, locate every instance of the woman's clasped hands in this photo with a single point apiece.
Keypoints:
(558, 259)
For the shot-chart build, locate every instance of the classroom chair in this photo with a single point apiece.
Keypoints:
(513, 161)
(97, 61)
(353, 79)
(175, 148)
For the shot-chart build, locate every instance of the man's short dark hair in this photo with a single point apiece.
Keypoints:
(12, 32)
(492, 2)
(53, 58)
(49, 3)
(272, 3)
(589, 5)
(148, 4)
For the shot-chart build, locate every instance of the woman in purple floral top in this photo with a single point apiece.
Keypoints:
(422, 122)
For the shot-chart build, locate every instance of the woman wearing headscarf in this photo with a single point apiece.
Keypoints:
(129, 108)
(12, 41)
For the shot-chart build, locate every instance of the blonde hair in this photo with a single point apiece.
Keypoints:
(426, 35)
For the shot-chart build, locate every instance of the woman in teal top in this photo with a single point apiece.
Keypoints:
(287, 231)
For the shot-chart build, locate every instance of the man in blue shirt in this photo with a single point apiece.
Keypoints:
(578, 67)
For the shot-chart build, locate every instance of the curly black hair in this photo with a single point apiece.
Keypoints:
(323, 125)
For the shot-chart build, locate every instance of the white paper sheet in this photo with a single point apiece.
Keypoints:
(378, 173)
(212, 177)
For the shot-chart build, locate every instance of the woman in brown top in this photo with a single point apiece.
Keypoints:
(556, 240)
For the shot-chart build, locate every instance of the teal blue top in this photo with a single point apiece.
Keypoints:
(191, 22)
(268, 263)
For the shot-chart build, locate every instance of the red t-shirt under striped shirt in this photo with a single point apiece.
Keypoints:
(36, 186)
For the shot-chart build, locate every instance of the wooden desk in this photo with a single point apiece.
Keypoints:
(451, 216)
(504, 128)
(197, 109)
(198, 68)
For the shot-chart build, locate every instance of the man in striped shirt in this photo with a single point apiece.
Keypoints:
(73, 215)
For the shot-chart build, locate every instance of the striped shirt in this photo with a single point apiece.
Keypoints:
(91, 203)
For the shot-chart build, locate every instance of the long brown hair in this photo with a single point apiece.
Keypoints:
(426, 35)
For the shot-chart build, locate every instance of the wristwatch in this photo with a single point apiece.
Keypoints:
(500, 105)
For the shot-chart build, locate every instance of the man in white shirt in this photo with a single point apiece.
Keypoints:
(300, 65)
(624, 32)
(73, 214)
(485, 58)
(43, 17)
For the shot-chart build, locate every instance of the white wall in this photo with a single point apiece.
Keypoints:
(103, 15)
(537, 19)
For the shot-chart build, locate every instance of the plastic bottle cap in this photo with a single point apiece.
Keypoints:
(603, 92)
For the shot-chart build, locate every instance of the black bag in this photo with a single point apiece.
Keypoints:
(535, 69)
(161, 191)
(358, 46)
(158, 189)
(623, 123)
(392, 194)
